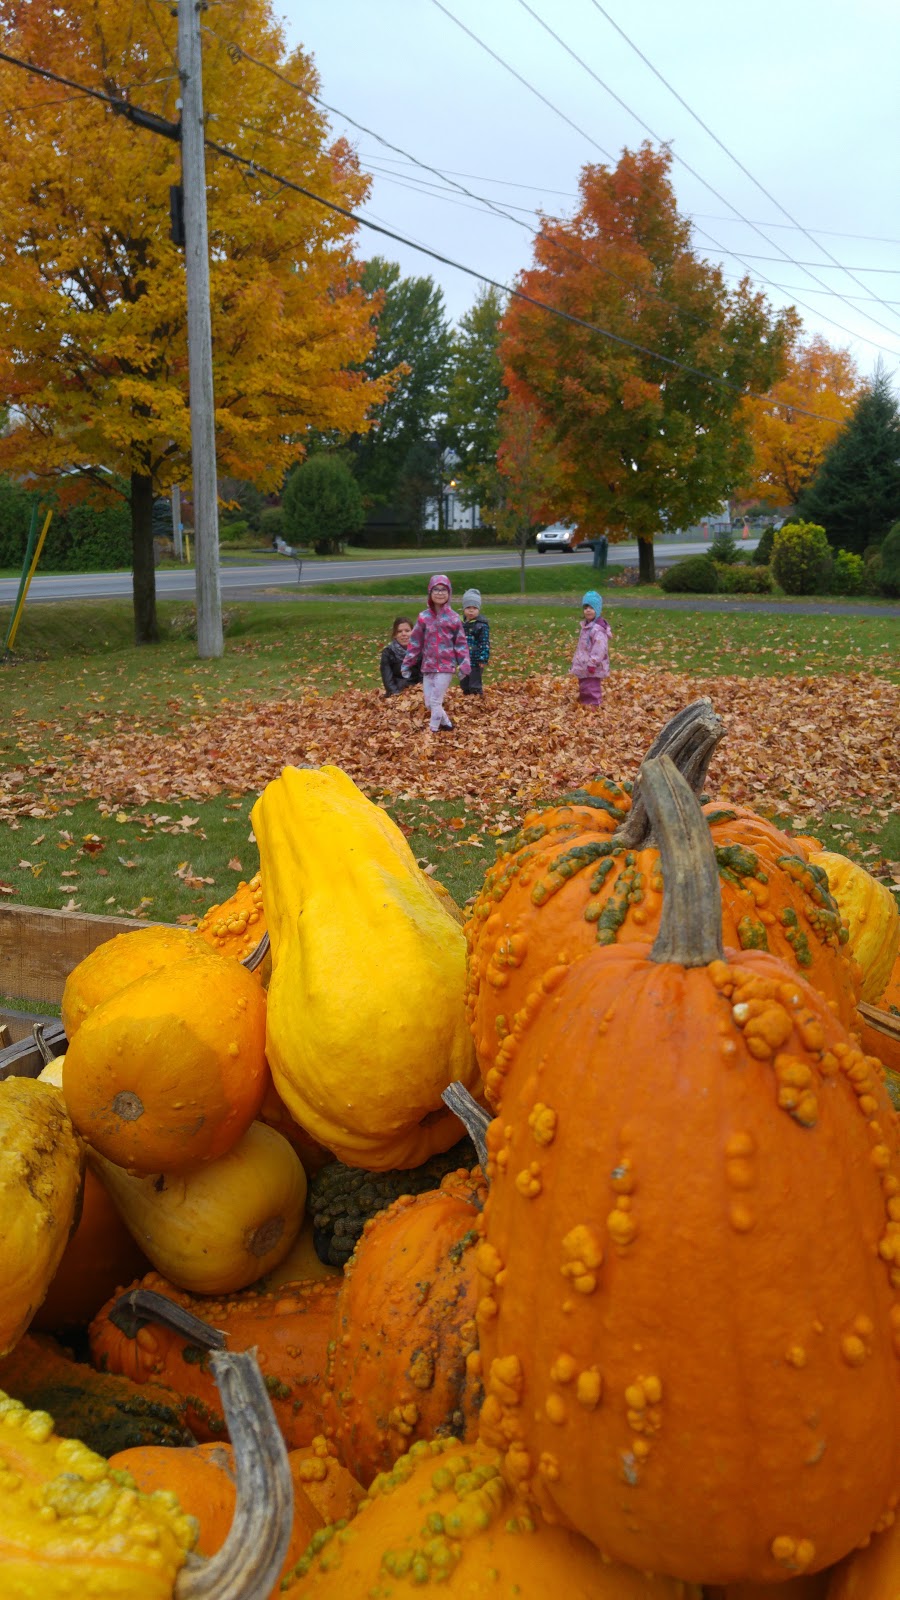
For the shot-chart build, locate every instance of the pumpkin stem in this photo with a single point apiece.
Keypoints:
(473, 1117)
(248, 1564)
(690, 929)
(46, 1054)
(690, 739)
(132, 1311)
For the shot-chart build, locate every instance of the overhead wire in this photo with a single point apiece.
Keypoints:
(851, 333)
(473, 272)
(731, 155)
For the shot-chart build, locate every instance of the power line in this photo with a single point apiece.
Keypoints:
(472, 272)
(760, 275)
(732, 157)
(806, 267)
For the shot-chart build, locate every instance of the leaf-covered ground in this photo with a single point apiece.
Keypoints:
(126, 779)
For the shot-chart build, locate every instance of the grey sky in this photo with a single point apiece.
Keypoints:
(803, 92)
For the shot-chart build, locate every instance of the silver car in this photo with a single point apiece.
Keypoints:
(562, 536)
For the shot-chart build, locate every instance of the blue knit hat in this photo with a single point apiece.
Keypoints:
(592, 598)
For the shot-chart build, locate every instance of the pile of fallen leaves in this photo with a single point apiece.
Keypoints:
(802, 746)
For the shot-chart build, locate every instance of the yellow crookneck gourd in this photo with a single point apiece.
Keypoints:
(366, 1022)
(870, 912)
(41, 1171)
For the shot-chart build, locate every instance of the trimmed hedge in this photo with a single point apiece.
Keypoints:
(693, 575)
(801, 557)
(82, 538)
(739, 579)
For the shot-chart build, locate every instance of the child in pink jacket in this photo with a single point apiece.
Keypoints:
(590, 663)
(438, 646)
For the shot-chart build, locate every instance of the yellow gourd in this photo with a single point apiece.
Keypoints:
(221, 1226)
(40, 1195)
(69, 1526)
(871, 915)
(366, 1022)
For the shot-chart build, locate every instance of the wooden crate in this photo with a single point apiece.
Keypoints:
(38, 949)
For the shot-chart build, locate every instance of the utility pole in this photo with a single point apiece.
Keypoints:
(176, 522)
(200, 374)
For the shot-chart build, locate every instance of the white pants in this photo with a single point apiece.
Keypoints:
(434, 687)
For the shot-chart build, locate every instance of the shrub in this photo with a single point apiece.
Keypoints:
(889, 576)
(693, 575)
(272, 524)
(801, 557)
(233, 532)
(762, 555)
(848, 573)
(724, 550)
(322, 503)
(744, 580)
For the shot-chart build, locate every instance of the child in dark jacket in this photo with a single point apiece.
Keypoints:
(590, 663)
(392, 659)
(478, 638)
(438, 646)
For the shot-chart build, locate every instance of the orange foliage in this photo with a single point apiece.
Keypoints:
(789, 445)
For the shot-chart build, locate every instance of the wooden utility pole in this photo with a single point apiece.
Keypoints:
(196, 257)
(176, 522)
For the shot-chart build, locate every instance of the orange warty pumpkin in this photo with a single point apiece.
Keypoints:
(445, 1519)
(291, 1329)
(559, 892)
(406, 1328)
(170, 1071)
(690, 1319)
(236, 927)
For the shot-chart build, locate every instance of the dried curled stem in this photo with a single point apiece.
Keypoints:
(473, 1117)
(690, 929)
(689, 739)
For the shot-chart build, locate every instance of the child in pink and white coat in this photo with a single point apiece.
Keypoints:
(438, 646)
(590, 663)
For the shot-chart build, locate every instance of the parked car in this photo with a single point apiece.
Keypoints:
(561, 536)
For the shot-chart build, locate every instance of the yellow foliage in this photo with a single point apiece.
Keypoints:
(93, 345)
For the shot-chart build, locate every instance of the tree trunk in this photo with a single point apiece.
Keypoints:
(146, 629)
(646, 562)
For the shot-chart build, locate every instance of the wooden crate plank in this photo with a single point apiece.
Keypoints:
(18, 1025)
(24, 1060)
(39, 948)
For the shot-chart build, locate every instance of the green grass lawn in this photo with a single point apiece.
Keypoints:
(76, 668)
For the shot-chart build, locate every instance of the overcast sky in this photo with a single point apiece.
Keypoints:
(803, 92)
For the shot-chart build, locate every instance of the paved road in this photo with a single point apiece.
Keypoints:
(282, 571)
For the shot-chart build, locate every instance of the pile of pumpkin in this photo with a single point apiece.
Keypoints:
(657, 1331)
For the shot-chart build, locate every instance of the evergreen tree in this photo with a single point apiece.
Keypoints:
(475, 393)
(412, 346)
(855, 495)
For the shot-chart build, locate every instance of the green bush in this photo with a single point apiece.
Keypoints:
(693, 575)
(848, 573)
(762, 555)
(322, 503)
(739, 579)
(724, 550)
(801, 557)
(889, 557)
(272, 524)
(233, 533)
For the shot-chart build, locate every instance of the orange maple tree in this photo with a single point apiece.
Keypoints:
(648, 418)
(792, 431)
(93, 337)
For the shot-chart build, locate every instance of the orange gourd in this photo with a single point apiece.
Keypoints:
(170, 1071)
(118, 962)
(100, 1257)
(330, 1486)
(561, 889)
(445, 1518)
(236, 927)
(689, 1316)
(291, 1329)
(400, 1367)
(203, 1478)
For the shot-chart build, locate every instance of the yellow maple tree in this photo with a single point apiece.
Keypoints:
(794, 427)
(93, 331)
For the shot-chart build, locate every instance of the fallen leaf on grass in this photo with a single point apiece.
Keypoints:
(234, 865)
